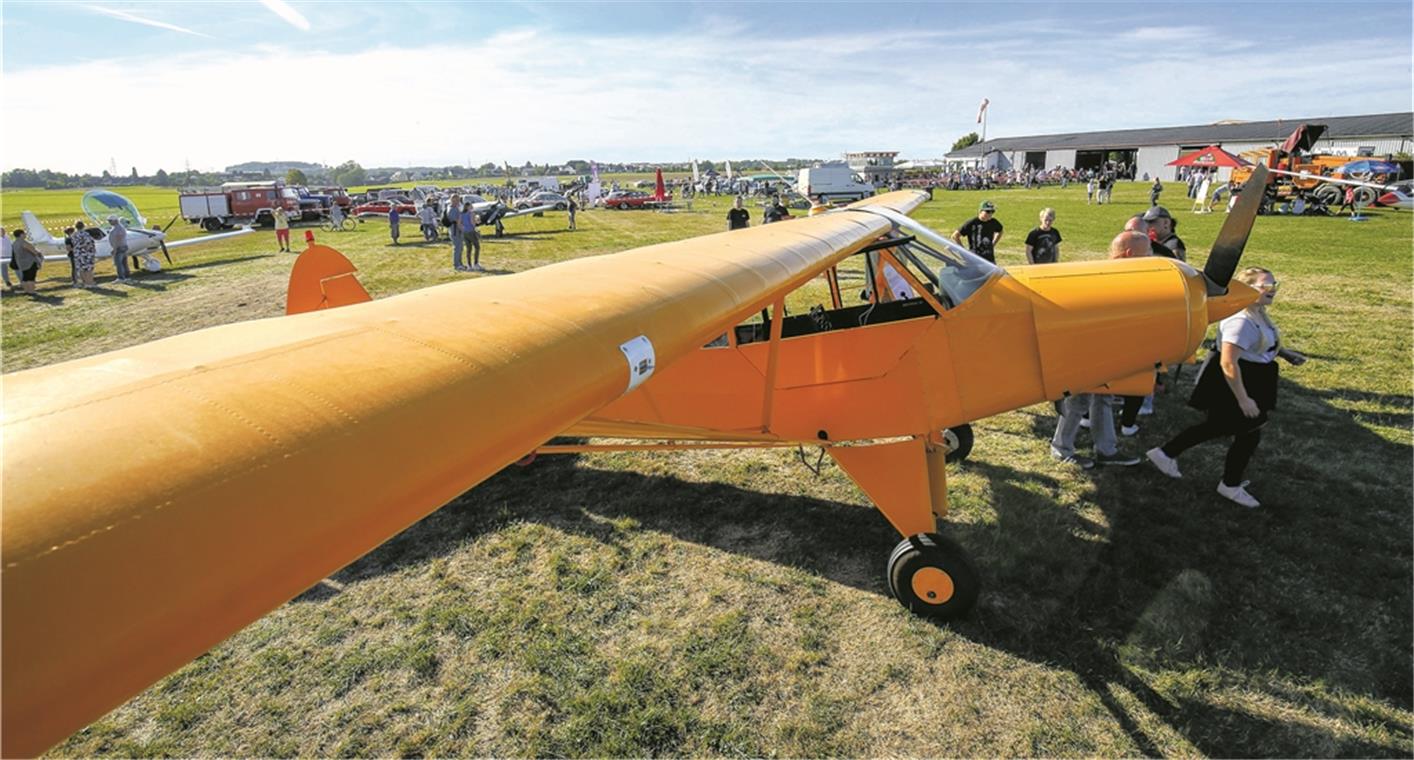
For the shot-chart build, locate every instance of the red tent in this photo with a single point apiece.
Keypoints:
(1210, 157)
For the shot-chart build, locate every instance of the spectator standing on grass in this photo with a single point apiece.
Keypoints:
(1097, 407)
(1155, 191)
(1136, 223)
(85, 254)
(471, 239)
(1089, 190)
(118, 242)
(427, 218)
(738, 218)
(1237, 389)
(395, 220)
(777, 211)
(983, 232)
(449, 220)
(282, 228)
(1163, 225)
(5, 253)
(1043, 243)
(570, 208)
(26, 260)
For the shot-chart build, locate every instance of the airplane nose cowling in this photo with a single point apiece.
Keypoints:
(1099, 321)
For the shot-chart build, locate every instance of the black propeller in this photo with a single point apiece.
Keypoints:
(169, 224)
(1232, 238)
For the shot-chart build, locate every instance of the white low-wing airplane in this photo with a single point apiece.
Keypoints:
(100, 206)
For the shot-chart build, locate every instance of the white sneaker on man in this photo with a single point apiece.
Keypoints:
(1238, 495)
(1165, 463)
(1129, 430)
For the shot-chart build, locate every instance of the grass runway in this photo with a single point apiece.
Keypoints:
(730, 603)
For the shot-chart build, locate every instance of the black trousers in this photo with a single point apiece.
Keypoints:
(1246, 434)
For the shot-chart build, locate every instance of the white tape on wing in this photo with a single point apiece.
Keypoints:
(639, 354)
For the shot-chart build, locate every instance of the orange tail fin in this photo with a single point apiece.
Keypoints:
(323, 279)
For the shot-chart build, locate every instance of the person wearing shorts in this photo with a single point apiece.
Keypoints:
(282, 229)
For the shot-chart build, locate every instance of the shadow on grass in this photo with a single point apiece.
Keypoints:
(1147, 583)
(223, 262)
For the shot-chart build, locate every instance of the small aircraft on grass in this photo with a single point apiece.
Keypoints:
(276, 435)
(102, 206)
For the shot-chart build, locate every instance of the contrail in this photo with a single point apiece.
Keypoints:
(125, 16)
(283, 10)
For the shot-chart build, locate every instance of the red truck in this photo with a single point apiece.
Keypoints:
(238, 203)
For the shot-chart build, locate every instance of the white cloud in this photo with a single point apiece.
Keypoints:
(136, 19)
(546, 97)
(285, 11)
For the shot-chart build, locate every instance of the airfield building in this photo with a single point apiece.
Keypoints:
(874, 166)
(1149, 150)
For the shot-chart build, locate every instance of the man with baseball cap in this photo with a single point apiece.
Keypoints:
(1161, 226)
(983, 232)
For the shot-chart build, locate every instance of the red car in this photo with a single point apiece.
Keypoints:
(628, 199)
(381, 208)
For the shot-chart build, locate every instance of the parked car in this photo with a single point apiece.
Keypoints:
(382, 208)
(626, 199)
(543, 198)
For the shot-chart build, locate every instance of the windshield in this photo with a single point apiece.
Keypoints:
(956, 271)
(101, 204)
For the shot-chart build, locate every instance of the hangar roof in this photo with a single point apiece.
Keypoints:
(1399, 124)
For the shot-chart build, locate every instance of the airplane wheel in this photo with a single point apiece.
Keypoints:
(931, 576)
(958, 439)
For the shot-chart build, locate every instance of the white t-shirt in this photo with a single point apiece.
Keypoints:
(1257, 340)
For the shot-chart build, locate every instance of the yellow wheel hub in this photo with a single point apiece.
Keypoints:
(932, 585)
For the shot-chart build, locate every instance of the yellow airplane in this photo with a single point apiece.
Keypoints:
(289, 447)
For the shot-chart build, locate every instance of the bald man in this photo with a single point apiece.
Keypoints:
(1130, 245)
(1136, 223)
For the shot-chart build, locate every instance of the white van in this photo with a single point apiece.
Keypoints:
(837, 182)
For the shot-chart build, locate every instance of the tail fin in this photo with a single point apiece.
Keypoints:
(323, 279)
(37, 232)
(1232, 238)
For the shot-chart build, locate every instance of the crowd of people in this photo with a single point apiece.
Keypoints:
(81, 248)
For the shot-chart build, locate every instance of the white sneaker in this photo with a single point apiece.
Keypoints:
(1085, 422)
(461, 268)
(1146, 410)
(1238, 495)
(1165, 463)
(1129, 430)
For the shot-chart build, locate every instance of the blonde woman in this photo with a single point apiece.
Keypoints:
(1237, 389)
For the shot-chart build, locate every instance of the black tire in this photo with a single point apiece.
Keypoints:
(1329, 194)
(349, 224)
(623, 207)
(959, 441)
(327, 225)
(211, 224)
(1365, 196)
(931, 576)
(560, 207)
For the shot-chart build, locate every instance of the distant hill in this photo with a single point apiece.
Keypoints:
(274, 167)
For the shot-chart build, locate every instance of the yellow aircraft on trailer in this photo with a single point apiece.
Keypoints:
(272, 450)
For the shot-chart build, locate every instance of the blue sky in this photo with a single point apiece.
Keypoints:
(163, 84)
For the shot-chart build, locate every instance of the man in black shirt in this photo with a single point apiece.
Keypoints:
(1163, 226)
(1136, 223)
(777, 211)
(982, 231)
(738, 218)
(1043, 243)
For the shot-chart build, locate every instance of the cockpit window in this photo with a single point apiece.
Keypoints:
(956, 271)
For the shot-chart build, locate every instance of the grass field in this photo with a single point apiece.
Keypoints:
(730, 603)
